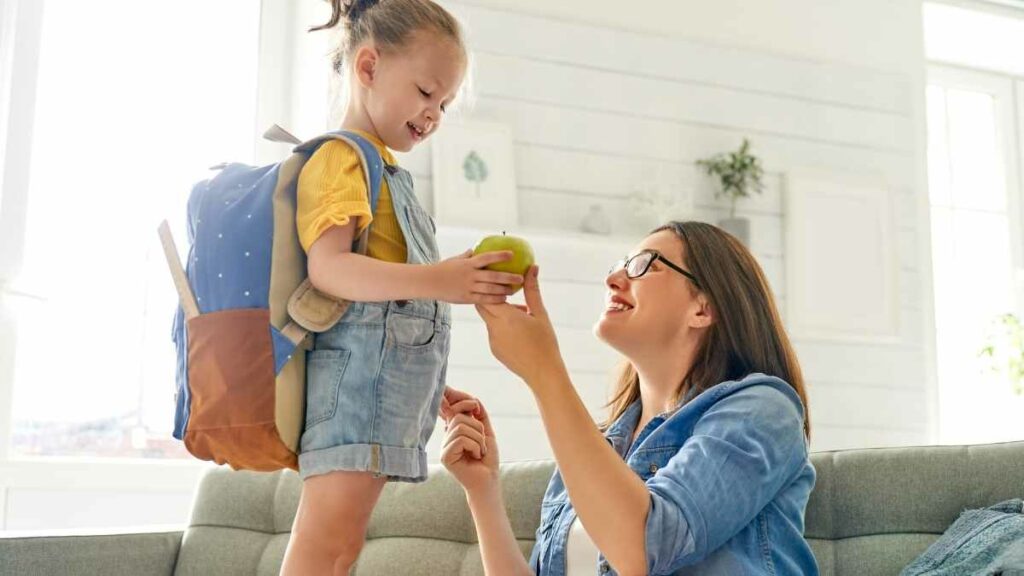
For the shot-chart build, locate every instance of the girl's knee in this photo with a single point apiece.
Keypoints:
(342, 546)
(343, 564)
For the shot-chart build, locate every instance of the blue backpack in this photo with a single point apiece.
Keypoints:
(247, 309)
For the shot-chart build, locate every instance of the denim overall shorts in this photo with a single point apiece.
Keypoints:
(374, 382)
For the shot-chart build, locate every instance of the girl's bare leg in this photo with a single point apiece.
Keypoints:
(330, 525)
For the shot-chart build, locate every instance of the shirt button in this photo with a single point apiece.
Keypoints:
(605, 567)
(653, 468)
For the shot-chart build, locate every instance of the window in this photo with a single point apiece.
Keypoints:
(974, 38)
(975, 211)
(127, 117)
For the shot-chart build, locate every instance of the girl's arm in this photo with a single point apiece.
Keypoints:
(335, 270)
(470, 454)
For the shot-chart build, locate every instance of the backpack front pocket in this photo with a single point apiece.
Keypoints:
(233, 392)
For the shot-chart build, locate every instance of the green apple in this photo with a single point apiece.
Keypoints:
(522, 254)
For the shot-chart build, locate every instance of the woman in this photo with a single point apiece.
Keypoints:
(702, 466)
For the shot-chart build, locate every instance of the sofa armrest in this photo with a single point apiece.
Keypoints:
(146, 552)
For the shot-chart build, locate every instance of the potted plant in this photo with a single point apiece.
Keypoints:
(1005, 350)
(738, 174)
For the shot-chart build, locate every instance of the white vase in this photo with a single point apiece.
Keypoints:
(738, 227)
(597, 221)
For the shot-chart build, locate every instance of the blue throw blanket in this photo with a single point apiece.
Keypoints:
(983, 542)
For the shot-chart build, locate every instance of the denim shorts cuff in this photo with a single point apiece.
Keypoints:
(397, 463)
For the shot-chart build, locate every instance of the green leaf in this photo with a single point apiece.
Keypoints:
(739, 173)
(1005, 350)
(474, 168)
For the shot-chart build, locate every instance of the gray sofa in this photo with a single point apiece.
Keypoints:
(872, 512)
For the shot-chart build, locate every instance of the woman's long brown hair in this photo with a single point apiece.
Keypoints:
(746, 336)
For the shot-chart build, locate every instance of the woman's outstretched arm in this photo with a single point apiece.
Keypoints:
(610, 499)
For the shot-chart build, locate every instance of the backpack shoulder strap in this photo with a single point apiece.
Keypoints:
(369, 156)
(310, 310)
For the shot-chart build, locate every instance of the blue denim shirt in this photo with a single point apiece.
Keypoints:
(728, 475)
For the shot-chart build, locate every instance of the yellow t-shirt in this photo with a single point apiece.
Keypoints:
(332, 191)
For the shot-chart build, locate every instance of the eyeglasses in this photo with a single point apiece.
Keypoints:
(638, 265)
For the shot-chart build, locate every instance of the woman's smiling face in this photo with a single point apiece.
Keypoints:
(651, 310)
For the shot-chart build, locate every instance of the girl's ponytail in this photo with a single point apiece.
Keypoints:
(357, 7)
(389, 23)
(351, 10)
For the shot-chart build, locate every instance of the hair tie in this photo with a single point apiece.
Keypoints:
(356, 8)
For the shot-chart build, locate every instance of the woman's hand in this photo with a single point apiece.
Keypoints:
(470, 449)
(522, 337)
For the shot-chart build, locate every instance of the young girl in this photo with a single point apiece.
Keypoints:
(374, 381)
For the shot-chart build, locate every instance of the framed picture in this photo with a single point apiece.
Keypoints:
(841, 261)
(474, 176)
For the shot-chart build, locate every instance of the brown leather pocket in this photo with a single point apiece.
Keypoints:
(232, 382)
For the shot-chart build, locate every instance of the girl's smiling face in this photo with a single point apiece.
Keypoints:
(406, 93)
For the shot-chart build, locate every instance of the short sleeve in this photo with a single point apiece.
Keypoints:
(331, 191)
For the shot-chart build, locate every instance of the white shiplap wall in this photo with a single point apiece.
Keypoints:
(594, 110)
(597, 112)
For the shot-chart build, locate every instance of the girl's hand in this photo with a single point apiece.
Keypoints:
(522, 337)
(470, 449)
(463, 279)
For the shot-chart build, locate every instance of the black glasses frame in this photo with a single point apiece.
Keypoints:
(652, 255)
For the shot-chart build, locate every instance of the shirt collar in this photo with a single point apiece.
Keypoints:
(625, 425)
(620, 433)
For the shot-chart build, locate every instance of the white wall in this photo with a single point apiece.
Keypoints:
(594, 107)
(882, 35)
(597, 97)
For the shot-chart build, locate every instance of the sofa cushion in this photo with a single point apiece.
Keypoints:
(874, 511)
(871, 512)
(876, 554)
(241, 521)
(99, 554)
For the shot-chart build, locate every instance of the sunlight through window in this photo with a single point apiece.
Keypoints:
(128, 117)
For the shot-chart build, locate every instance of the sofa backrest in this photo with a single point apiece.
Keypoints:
(241, 521)
(872, 512)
